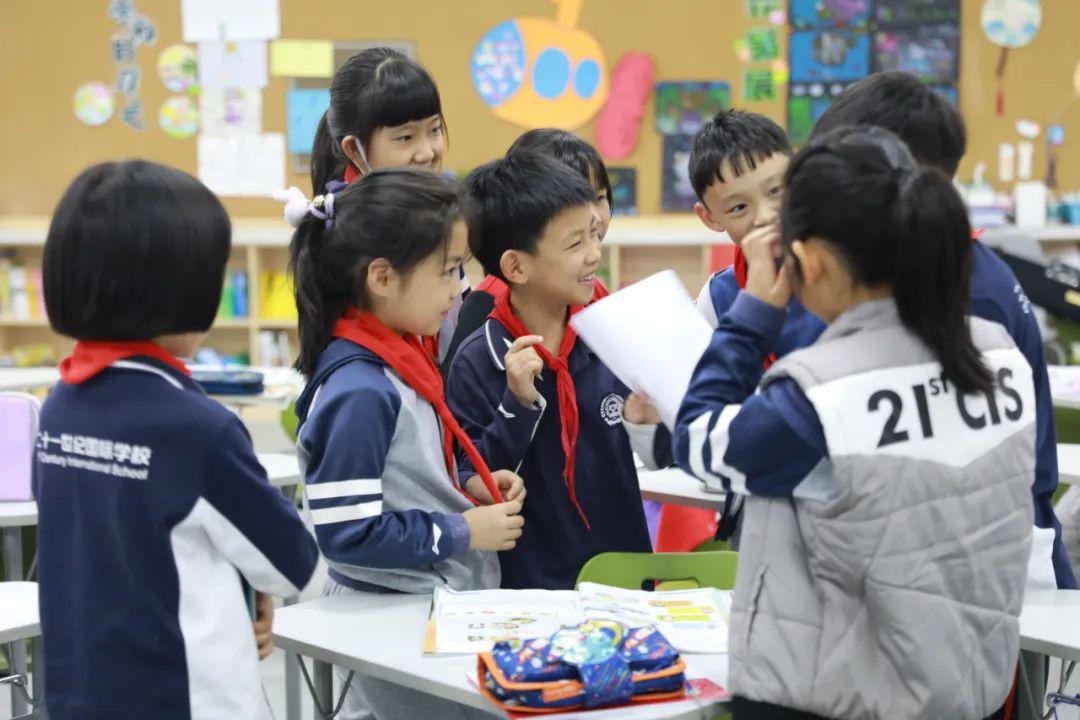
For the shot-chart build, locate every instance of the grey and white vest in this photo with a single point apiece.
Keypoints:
(896, 593)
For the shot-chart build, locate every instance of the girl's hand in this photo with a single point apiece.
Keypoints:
(763, 281)
(510, 485)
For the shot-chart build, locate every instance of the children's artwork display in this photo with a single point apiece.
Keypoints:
(682, 108)
(836, 42)
(677, 194)
(623, 190)
(94, 103)
(541, 72)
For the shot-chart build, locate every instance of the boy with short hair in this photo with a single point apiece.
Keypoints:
(535, 398)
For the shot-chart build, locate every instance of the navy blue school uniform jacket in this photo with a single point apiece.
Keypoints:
(556, 543)
(151, 505)
(996, 296)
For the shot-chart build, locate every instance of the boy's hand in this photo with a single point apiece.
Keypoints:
(763, 281)
(523, 366)
(494, 527)
(510, 485)
(639, 411)
(264, 624)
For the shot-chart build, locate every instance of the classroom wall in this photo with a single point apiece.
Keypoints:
(50, 47)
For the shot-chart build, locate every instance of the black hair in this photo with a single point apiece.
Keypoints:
(400, 215)
(893, 222)
(135, 250)
(569, 149)
(742, 139)
(510, 201)
(908, 108)
(378, 87)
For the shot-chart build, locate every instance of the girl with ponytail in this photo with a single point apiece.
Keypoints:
(375, 268)
(885, 469)
(385, 112)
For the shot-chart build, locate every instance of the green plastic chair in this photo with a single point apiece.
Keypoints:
(631, 570)
(289, 421)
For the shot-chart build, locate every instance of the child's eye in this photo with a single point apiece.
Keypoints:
(777, 190)
(437, 130)
(403, 138)
(602, 197)
(737, 208)
(574, 245)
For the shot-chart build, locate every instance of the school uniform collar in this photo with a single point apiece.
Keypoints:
(498, 340)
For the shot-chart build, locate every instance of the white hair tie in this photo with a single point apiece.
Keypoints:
(297, 206)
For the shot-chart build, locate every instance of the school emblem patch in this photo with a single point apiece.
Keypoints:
(611, 409)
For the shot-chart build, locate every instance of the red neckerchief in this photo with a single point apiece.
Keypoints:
(90, 357)
(416, 367)
(496, 288)
(430, 342)
(568, 409)
(741, 272)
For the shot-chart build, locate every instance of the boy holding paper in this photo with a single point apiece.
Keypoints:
(535, 398)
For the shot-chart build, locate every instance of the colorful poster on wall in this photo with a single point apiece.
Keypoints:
(219, 20)
(683, 107)
(829, 55)
(852, 14)
(233, 64)
(179, 117)
(623, 190)
(761, 9)
(304, 109)
(94, 103)
(932, 52)
(917, 11)
(302, 58)
(836, 42)
(541, 72)
(759, 84)
(178, 68)
(763, 43)
(231, 111)
(677, 194)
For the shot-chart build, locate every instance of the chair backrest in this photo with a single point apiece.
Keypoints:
(633, 570)
(18, 434)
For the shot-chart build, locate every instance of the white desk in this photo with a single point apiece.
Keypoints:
(282, 469)
(25, 379)
(672, 485)
(1068, 456)
(1049, 627)
(381, 636)
(19, 622)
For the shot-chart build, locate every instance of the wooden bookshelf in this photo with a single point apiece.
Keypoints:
(634, 248)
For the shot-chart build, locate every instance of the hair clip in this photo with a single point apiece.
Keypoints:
(297, 206)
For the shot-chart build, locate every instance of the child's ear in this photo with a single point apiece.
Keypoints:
(706, 217)
(811, 261)
(380, 279)
(350, 145)
(515, 267)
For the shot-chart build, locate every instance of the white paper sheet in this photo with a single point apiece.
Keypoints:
(233, 64)
(651, 336)
(231, 111)
(216, 20)
(247, 165)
